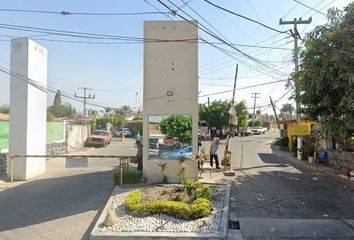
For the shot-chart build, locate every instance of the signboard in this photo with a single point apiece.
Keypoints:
(299, 129)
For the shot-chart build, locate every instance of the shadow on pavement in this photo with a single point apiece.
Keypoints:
(48, 199)
(289, 193)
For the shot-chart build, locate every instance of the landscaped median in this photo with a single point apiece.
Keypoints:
(177, 211)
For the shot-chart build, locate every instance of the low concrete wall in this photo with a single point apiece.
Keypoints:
(75, 136)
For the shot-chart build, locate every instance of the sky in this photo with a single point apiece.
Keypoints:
(113, 69)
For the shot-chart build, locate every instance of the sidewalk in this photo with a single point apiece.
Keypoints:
(318, 168)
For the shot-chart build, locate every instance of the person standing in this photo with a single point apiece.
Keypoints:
(213, 155)
(139, 155)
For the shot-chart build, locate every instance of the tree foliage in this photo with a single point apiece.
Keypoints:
(217, 114)
(178, 126)
(241, 113)
(286, 110)
(61, 110)
(326, 76)
(102, 121)
(4, 110)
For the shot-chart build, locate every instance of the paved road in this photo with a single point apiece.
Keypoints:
(62, 203)
(274, 199)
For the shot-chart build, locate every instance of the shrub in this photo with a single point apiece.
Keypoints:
(195, 189)
(283, 141)
(203, 192)
(129, 177)
(132, 201)
(201, 207)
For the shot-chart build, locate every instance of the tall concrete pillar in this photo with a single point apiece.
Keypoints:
(170, 86)
(28, 107)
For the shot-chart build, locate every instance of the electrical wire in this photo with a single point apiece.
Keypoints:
(207, 31)
(309, 7)
(244, 17)
(242, 88)
(66, 13)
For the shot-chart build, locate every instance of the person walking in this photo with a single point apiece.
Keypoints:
(139, 155)
(213, 155)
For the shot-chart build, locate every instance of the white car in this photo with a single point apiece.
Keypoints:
(258, 130)
(125, 131)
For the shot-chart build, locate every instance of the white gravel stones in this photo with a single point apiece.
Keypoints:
(162, 222)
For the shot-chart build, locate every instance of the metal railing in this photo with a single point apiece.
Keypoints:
(124, 161)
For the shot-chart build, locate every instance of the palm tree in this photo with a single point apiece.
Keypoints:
(287, 109)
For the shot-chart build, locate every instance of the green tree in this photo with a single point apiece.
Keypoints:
(241, 113)
(326, 76)
(178, 126)
(57, 107)
(217, 114)
(257, 123)
(287, 110)
(4, 110)
(124, 111)
(61, 110)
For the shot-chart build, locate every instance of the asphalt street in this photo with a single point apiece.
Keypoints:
(273, 197)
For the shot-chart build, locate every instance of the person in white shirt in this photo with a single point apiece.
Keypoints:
(213, 155)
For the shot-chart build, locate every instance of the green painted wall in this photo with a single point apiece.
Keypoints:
(55, 132)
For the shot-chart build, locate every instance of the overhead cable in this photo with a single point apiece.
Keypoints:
(247, 18)
(66, 13)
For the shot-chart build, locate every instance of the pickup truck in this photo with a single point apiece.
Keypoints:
(245, 131)
(99, 138)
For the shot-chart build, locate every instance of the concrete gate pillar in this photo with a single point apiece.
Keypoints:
(28, 104)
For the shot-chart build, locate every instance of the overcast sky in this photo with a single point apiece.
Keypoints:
(114, 68)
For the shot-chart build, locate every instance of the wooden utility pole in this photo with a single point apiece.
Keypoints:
(85, 97)
(254, 109)
(296, 36)
(230, 116)
(275, 112)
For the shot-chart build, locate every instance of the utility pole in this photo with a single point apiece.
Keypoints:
(232, 108)
(296, 36)
(254, 109)
(275, 112)
(85, 97)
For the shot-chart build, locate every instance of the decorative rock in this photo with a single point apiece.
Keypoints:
(124, 222)
(110, 219)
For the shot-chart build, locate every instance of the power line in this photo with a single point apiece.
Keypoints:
(309, 7)
(46, 88)
(66, 13)
(251, 86)
(207, 31)
(247, 18)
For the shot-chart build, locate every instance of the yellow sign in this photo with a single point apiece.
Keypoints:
(299, 129)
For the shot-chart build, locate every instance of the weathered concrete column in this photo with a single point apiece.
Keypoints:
(170, 87)
(28, 107)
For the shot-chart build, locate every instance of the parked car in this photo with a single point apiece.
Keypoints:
(163, 148)
(258, 130)
(125, 131)
(99, 138)
(183, 152)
